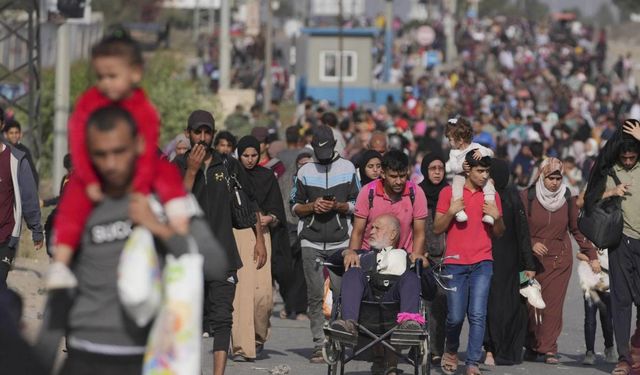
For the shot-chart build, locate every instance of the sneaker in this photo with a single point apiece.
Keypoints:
(316, 356)
(610, 355)
(60, 276)
(488, 219)
(533, 293)
(346, 326)
(589, 358)
(461, 216)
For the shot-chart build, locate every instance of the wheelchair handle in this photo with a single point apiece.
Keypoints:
(322, 263)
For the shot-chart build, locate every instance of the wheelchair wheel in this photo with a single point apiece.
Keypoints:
(331, 351)
(425, 365)
(337, 368)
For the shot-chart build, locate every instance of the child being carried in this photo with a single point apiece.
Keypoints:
(459, 133)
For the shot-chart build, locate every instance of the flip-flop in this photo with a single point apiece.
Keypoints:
(449, 363)
(551, 359)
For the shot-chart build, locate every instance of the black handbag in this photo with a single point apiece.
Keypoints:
(243, 211)
(603, 224)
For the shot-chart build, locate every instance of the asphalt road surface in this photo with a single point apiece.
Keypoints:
(290, 344)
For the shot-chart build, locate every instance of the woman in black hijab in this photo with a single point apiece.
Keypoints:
(370, 167)
(253, 303)
(506, 310)
(432, 169)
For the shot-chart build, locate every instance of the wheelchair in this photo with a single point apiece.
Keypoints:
(377, 324)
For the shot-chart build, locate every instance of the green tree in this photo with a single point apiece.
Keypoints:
(627, 7)
(603, 16)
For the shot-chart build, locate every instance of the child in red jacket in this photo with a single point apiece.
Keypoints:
(118, 63)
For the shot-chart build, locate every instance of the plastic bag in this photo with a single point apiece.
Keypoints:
(173, 346)
(139, 277)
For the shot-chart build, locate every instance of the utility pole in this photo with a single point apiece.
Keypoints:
(212, 20)
(61, 103)
(268, 58)
(340, 53)
(388, 41)
(225, 46)
(449, 30)
(196, 20)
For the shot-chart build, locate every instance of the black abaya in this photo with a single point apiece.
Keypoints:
(506, 309)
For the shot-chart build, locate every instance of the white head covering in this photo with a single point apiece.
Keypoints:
(550, 200)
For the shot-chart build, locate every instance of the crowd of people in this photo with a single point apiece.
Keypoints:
(539, 100)
(529, 129)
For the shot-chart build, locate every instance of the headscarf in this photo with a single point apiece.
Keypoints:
(499, 172)
(267, 191)
(431, 190)
(368, 155)
(170, 149)
(248, 141)
(550, 200)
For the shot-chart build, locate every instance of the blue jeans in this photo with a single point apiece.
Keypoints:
(470, 298)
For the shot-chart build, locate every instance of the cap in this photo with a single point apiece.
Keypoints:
(261, 133)
(200, 118)
(323, 142)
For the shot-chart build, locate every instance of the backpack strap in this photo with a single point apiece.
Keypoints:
(412, 195)
(371, 192)
(613, 175)
(531, 195)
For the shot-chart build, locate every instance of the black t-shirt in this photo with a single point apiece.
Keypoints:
(211, 190)
(6, 195)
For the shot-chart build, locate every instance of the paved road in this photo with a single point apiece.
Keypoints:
(290, 344)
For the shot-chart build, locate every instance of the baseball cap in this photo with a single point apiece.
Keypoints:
(261, 133)
(323, 142)
(200, 118)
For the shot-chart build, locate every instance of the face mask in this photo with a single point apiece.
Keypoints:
(324, 161)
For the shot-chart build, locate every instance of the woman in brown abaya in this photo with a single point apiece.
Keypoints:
(552, 214)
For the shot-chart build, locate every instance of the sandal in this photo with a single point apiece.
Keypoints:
(473, 370)
(551, 359)
(489, 360)
(622, 368)
(449, 363)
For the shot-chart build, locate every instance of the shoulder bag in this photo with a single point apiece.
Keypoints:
(603, 224)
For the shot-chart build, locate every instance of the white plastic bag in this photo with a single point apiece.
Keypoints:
(139, 278)
(174, 343)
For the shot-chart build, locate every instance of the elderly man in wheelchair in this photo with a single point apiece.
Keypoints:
(382, 276)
